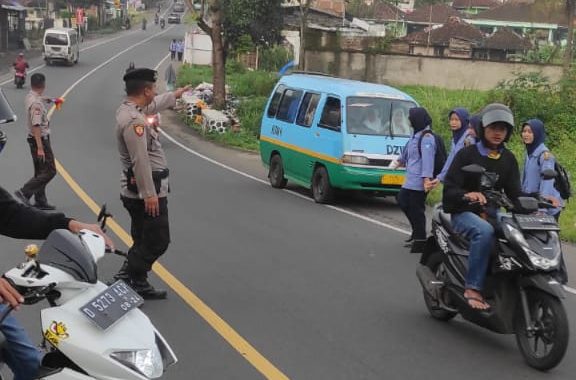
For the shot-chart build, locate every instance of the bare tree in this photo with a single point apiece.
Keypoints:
(569, 54)
(304, 10)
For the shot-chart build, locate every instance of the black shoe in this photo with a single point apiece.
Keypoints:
(122, 274)
(409, 240)
(44, 206)
(418, 246)
(20, 195)
(147, 291)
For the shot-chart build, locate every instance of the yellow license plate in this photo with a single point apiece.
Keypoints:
(392, 179)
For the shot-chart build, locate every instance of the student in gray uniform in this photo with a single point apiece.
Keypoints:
(144, 177)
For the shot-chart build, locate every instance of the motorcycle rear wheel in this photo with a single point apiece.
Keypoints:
(550, 331)
(436, 264)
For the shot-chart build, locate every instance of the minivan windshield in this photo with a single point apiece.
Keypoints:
(378, 116)
(56, 39)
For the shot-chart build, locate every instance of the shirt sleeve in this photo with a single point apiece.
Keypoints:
(454, 191)
(547, 161)
(428, 152)
(135, 137)
(161, 103)
(403, 159)
(36, 114)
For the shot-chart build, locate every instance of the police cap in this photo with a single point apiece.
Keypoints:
(142, 74)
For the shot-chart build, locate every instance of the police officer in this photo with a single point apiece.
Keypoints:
(144, 177)
(40, 147)
(418, 158)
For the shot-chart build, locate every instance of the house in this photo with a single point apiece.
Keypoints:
(392, 18)
(12, 25)
(504, 45)
(455, 38)
(546, 21)
(472, 7)
(428, 16)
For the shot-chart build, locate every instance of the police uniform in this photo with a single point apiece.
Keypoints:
(44, 170)
(144, 174)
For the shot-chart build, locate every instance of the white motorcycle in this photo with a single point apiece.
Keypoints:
(90, 330)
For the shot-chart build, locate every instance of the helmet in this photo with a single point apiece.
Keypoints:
(497, 113)
(21, 54)
(3, 140)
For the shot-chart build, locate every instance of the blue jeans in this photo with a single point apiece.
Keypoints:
(20, 354)
(480, 233)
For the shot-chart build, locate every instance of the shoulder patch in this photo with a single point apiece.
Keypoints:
(546, 156)
(139, 130)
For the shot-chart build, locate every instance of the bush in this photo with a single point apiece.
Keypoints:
(273, 59)
(250, 113)
(252, 83)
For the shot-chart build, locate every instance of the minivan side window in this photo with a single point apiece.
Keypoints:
(308, 109)
(289, 105)
(275, 102)
(331, 114)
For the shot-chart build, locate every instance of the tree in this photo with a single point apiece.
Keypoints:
(304, 10)
(569, 54)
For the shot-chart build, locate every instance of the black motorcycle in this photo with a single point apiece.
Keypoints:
(162, 23)
(522, 285)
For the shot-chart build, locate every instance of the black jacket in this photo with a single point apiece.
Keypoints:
(22, 222)
(457, 183)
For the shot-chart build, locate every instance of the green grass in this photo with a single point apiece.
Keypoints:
(254, 87)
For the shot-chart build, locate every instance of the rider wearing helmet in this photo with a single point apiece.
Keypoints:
(462, 197)
(23, 222)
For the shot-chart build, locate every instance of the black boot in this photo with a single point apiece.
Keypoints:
(146, 290)
(122, 274)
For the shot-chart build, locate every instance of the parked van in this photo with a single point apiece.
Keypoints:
(326, 133)
(61, 44)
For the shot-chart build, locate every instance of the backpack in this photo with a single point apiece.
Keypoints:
(440, 156)
(562, 180)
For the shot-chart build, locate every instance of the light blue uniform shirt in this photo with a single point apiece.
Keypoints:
(465, 140)
(532, 181)
(418, 168)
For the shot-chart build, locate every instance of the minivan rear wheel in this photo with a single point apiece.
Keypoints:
(276, 172)
(322, 191)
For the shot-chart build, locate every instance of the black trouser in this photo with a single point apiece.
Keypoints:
(413, 204)
(172, 55)
(180, 56)
(151, 235)
(44, 171)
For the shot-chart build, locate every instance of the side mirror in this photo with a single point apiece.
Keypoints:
(528, 203)
(549, 174)
(474, 169)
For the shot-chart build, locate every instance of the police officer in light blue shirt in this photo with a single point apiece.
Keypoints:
(418, 158)
(462, 135)
(538, 158)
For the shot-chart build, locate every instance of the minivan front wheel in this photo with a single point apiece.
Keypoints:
(322, 191)
(276, 172)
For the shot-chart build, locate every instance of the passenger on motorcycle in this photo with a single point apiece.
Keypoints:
(20, 65)
(462, 197)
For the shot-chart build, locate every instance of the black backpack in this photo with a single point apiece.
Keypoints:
(562, 180)
(440, 156)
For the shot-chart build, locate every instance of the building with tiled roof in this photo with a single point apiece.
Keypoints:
(474, 6)
(430, 15)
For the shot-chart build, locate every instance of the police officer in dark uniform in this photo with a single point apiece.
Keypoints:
(144, 177)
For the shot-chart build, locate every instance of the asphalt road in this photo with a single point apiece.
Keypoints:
(268, 284)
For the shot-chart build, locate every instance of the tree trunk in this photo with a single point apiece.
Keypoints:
(569, 54)
(218, 53)
(304, 8)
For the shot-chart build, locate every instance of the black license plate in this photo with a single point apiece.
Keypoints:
(111, 304)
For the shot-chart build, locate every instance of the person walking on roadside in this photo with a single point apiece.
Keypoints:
(40, 146)
(173, 48)
(144, 178)
(418, 158)
(462, 136)
(180, 50)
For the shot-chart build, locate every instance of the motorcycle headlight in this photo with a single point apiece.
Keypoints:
(356, 160)
(147, 362)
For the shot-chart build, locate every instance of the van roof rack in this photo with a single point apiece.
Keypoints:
(312, 73)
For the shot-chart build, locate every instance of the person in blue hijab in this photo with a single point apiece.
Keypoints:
(539, 158)
(462, 136)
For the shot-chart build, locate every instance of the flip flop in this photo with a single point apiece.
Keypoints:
(479, 300)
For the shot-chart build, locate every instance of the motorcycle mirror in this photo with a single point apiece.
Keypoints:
(549, 174)
(473, 169)
(529, 204)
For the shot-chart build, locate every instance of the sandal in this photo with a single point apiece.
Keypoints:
(479, 300)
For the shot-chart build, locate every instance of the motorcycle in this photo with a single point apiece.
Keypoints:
(90, 330)
(156, 19)
(162, 23)
(522, 285)
(143, 24)
(19, 78)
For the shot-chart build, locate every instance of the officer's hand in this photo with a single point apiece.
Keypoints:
(178, 92)
(475, 197)
(41, 155)
(555, 202)
(151, 206)
(429, 184)
(9, 295)
(75, 226)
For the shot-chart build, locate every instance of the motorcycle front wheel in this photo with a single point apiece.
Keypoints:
(543, 344)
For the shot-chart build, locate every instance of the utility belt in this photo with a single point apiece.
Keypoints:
(44, 138)
(157, 177)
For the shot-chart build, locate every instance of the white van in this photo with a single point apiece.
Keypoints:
(61, 44)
